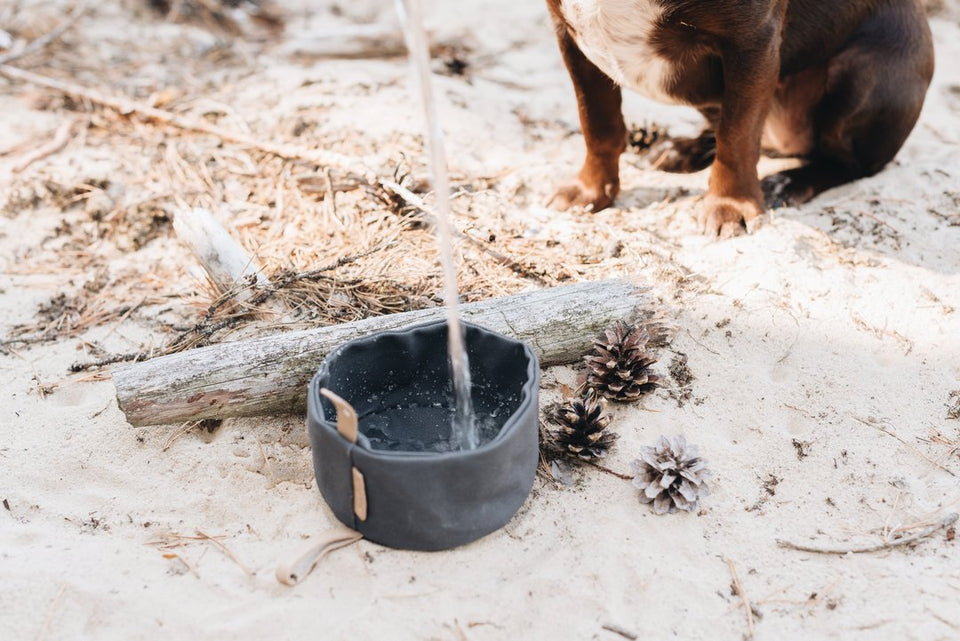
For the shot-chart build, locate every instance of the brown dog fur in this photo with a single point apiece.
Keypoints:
(837, 82)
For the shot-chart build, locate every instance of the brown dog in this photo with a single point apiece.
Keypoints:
(837, 82)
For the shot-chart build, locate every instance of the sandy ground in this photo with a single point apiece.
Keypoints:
(823, 352)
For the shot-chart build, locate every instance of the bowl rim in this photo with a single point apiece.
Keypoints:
(527, 396)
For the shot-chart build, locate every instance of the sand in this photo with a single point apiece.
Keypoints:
(822, 353)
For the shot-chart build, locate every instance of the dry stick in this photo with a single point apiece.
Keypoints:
(626, 634)
(227, 264)
(222, 257)
(59, 141)
(607, 470)
(127, 314)
(113, 359)
(949, 520)
(712, 351)
(738, 588)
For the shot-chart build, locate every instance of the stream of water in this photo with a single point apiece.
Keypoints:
(464, 433)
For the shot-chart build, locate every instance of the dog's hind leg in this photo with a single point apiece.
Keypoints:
(688, 155)
(874, 91)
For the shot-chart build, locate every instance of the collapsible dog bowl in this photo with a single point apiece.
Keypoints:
(400, 483)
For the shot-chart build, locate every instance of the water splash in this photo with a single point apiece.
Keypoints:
(464, 434)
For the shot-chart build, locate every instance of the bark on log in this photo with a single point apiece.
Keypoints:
(269, 375)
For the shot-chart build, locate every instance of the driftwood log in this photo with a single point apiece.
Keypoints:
(269, 375)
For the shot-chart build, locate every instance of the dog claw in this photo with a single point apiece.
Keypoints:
(577, 194)
(753, 224)
(729, 230)
(724, 217)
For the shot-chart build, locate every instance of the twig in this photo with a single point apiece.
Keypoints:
(60, 139)
(42, 634)
(798, 409)
(177, 433)
(880, 221)
(113, 359)
(223, 259)
(607, 470)
(616, 629)
(942, 619)
(283, 280)
(712, 351)
(738, 588)
(949, 520)
(48, 37)
(127, 314)
(889, 432)
(223, 548)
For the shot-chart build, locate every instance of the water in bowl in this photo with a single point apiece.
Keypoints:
(419, 425)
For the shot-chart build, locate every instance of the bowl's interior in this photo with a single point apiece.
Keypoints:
(399, 383)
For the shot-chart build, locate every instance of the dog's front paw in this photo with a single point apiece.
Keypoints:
(579, 194)
(725, 216)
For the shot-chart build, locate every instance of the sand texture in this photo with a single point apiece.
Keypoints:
(816, 362)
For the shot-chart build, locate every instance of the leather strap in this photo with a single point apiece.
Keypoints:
(293, 573)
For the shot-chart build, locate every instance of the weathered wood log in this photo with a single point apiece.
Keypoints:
(269, 375)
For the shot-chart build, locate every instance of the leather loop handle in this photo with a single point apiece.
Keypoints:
(347, 422)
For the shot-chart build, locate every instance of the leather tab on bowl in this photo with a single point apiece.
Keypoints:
(347, 422)
(359, 495)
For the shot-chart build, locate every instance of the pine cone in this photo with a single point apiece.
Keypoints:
(620, 364)
(671, 475)
(583, 427)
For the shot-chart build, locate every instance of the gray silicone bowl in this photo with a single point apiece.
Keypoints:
(425, 500)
